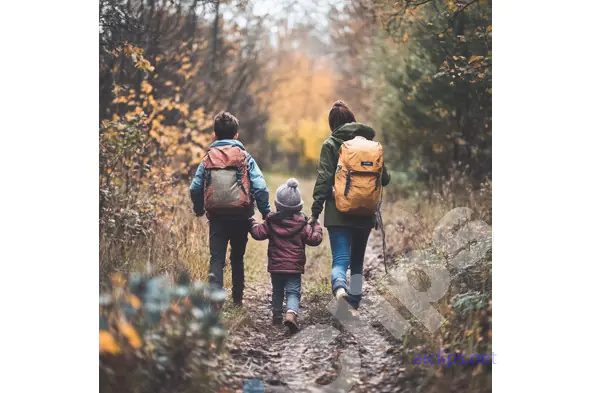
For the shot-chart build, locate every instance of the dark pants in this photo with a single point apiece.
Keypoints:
(220, 233)
(348, 251)
(285, 283)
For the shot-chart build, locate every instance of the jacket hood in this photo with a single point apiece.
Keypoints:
(233, 142)
(350, 130)
(286, 224)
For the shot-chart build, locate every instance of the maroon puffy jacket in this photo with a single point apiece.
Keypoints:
(288, 233)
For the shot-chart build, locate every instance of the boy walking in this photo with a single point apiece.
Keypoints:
(225, 186)
(288, 233)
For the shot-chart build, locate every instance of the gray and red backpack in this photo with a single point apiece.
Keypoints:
(227, 182)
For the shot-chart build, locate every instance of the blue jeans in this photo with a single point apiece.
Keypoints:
(348, 250)
(289, 283)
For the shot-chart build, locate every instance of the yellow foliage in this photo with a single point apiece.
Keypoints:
(117, 280)
(120, 100)
(146, 87)
(313, 133)
(474, 59)
(129, 332)
(107, 343)
(134, 301)
(172, 150)
(299, 104)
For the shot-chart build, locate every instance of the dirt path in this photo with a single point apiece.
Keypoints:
(326, 355)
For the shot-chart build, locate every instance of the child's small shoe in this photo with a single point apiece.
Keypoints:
(277, 319)
(291, 322)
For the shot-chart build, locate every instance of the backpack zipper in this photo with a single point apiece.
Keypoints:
(350, 173)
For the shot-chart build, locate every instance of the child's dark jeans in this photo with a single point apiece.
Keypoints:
(285, 283)
(222, 231)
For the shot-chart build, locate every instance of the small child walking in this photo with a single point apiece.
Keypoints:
(288, 233)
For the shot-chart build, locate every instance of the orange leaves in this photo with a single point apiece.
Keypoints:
(107, 343)
(405, 37)
(475, 59)
(120, 100)
(174, 308)
(130, 50)
(145, 65)
(130, 334)
(136, 55)
(298, 105)
(117, 280)
(116, 89)
(312, 133)
(438, 148)
(134, 301)
(146, 87)
(155, 122)
(183, 108)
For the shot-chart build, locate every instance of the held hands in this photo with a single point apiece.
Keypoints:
(312, 221)
(252, 222)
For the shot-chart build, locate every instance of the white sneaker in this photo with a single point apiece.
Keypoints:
(354, 313)
(341, 294)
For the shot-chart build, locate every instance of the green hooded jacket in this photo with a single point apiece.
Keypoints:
(322, 192)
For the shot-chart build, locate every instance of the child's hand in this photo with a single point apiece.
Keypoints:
(258, 231)
(312, 221)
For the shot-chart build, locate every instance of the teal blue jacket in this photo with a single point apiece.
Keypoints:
(258, 185)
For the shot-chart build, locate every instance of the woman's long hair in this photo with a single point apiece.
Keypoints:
(340, 114)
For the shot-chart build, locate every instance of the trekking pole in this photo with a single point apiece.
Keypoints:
(379, 219)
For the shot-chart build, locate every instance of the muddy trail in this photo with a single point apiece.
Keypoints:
(328, 354)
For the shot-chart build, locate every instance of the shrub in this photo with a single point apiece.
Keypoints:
(466, 305)
(157, 336)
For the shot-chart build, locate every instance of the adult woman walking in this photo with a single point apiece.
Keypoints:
(348, 233)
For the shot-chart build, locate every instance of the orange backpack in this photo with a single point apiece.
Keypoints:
(227, 183)
(357, 184)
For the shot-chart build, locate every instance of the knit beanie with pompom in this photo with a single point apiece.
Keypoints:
(288, 197)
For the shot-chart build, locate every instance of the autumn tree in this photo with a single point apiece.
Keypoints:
(165, 69)
(353, 28)
(303, 90)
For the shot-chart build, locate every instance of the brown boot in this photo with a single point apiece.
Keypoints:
(291, 322)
